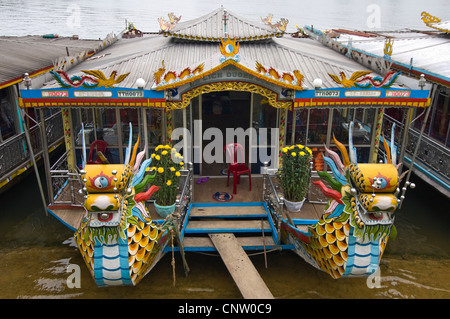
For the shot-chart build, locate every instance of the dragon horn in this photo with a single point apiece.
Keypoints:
(133, 156)
(336, 159)
(393, 147)
(351, 148)
(128, 151)
(139, 158)
(343, 150)
(388, 152)
(84, 146)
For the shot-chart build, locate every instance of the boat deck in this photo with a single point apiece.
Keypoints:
(245, 215)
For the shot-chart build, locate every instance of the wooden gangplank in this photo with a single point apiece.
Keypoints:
(240, 267)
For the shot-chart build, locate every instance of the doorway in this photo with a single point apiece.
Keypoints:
(223, 113)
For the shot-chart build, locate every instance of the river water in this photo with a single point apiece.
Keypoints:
(36, 249)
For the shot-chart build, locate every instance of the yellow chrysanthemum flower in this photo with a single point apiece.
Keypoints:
(172, 169)
(177, 174)
(169, 182)
(160, 170)
(181, 163)
(294, 154)
(300, 146)
(158, 157)
(164, 152)
(302, 153)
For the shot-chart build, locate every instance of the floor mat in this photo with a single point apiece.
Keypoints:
(222, 196)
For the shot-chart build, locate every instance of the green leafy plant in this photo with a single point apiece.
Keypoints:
(295, 171)
(168, 164)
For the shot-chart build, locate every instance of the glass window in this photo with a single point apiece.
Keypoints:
(301, 117)
(7, 115)
(318, 126)
(155, 129)
(362, 125)
(439, 125)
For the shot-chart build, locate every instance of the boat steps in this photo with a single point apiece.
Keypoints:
(249, 222)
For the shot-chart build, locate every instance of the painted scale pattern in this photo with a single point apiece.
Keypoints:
(117, 239)
(350, 237)
(119, 261)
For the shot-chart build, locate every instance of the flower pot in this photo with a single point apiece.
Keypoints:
(165, 211)
(294, 207)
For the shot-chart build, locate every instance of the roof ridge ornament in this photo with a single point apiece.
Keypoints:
(280, 25)
(168, 25)
(434, 22)
(96, 80)
(428, 18)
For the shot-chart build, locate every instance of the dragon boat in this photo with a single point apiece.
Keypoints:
(272, 91)
(117, 238)
(350, 237)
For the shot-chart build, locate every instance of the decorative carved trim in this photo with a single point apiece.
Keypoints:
(271, 96)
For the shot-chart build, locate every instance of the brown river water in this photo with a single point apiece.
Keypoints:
(35, 251)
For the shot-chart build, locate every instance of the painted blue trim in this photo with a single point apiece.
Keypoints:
(298, 221)
(243, 204)
(271, 224)
(375, 254)
(186, 221)
(63, 222)
(351, 252)
(69, 92)
(98, 265)
(225, 230)
(428, 173)
(340, 92)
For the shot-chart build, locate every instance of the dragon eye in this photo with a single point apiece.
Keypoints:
(101, 182)
(379, 182)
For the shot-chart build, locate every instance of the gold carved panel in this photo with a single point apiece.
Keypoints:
(228, 86)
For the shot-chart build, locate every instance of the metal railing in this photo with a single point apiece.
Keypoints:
(65, 184)
(14, 152)
(434, 156)
(185, 193)
(273, 194)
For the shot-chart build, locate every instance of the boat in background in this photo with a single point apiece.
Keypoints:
(26, 59)
(420, 58)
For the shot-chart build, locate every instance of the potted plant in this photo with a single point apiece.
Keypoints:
(167, 164)
(294, 175)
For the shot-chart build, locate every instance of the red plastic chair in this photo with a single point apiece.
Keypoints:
(101, 147)
(235, 167)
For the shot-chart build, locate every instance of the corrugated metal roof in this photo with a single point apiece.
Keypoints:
(142, 57)
(427, 51)
(211, 27)
(29, 54)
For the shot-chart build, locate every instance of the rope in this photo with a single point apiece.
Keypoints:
(173, 260)
(253, 254)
